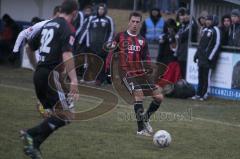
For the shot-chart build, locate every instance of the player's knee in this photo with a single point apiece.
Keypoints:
(138, 96)
(159, 98)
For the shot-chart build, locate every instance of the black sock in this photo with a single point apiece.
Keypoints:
(138, 108)
(43, 130)
(154, 105)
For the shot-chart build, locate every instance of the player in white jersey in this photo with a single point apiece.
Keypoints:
(29, 33)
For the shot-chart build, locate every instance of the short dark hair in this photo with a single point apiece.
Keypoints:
(135, 14)
(56, 10)
(68, 6)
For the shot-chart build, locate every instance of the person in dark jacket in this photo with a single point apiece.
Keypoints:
(99, 32)
(225, 28)
(8, 36)
(234, 38)
(81, 38)
(182, 37)
(168, 42)
(206, 56)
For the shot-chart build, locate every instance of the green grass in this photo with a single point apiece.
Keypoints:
(211, 132)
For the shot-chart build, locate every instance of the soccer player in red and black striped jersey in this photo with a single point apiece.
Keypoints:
(133, 56)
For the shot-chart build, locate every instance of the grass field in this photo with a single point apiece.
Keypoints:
(200, 130)
(208, 130)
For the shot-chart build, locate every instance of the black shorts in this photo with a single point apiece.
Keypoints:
(139, 83)
(50, 88)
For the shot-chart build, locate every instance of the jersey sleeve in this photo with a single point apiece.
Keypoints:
(67, 39)
(115, 41)
(21, 37)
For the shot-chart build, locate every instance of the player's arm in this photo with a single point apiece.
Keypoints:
(70, 68)
(21, 36)
(146, 58)
(31, 56)
(67, 42)
(33, 45)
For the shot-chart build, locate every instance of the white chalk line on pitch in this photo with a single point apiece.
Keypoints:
(126, 107)
(32, 90)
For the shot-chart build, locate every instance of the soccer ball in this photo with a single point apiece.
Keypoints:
(162, 139)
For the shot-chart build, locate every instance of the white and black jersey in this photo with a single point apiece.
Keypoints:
(99, 31)
(78, 22)
(56, 37)
(27, 34)
(208, 47)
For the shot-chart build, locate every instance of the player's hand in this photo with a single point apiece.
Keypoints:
(74, 93)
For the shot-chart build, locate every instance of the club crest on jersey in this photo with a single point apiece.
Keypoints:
(140, 42)
(209, 34)
(103, 24)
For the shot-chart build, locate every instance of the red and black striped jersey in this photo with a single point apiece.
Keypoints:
(132, 52)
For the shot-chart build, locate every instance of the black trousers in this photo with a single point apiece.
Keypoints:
(49, 88)
(183, 67)
(203, 80)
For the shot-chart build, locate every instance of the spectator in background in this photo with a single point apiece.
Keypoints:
(201, 24)
(206, 56)
(167, 53)
(100, 30)
(152, 27)
(151, 30)
(80, 46)
(8, 36)
(234, 38)
(80, 42)
(225, 28)
(168, 42)
(78, 22)
(35, 20)
(182, 37)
